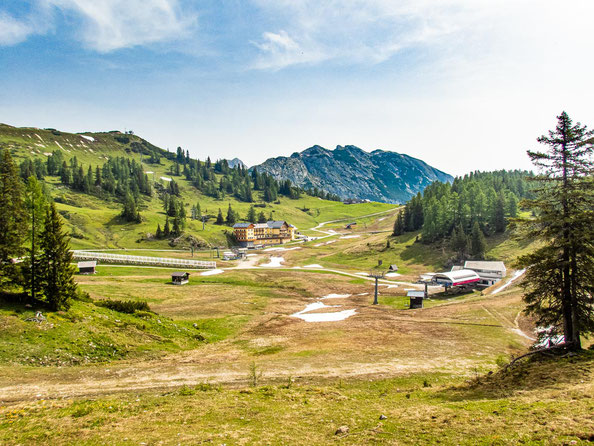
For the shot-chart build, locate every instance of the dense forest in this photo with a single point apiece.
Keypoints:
(125, 180)
(473, 206)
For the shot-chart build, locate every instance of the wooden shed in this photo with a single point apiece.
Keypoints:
(180, 278)
(416, 299)
(393, 268)
(87, 267)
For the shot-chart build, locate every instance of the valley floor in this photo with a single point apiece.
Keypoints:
(225, 360)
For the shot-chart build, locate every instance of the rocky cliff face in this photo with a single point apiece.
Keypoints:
(351, 172)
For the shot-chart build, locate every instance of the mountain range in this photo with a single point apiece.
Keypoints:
(351, 172)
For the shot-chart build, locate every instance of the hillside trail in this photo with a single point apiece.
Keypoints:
(332, 233)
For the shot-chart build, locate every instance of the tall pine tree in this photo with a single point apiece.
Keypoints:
(560, 274)
(55, 270)
(13, 217)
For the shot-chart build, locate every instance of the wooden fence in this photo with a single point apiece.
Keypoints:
(105, 257)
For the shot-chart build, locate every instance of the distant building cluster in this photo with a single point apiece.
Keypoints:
(250, 235)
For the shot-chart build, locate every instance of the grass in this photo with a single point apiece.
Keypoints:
(540, 402)
(91, 334)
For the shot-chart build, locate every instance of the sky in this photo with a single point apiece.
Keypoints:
(462, 84)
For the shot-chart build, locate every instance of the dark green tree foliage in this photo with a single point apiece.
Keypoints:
(488, 198)
(262, 217)
(559, 278)
(129, 211)
(459, 242)
(13, 216)
(399, 225)
(478, 245)
(56, 272)
(220, 220)
(36, 204)
(231, 216)
(251, 215)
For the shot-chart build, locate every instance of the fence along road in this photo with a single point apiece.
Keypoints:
(142, 260)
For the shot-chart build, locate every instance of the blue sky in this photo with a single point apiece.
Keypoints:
(461, 84)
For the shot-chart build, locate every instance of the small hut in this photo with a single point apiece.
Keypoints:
(416, 299)
(393, 268)
(180, 278)
(87, 267)
(351, 225)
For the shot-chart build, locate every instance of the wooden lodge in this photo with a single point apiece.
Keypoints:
(180, 278)
(87, 267)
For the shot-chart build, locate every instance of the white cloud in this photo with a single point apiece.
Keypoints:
(356, 31)
(13, 31)
(282, 50)
(110, 25)
(105, 25)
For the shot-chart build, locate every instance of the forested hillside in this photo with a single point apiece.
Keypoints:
(116, 190)
(465, 211)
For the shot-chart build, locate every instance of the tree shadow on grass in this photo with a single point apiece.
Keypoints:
(536, 373)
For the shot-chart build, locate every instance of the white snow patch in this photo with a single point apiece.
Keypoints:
(251, 255)
(39, 145)
(212, 272)
(362, 294)
(326, 317)
(40, 139)
(275, 262)
(166, 179)
(336, 296)
(149, 171)
(88, 138)
(392, 274)
(516, 275)
(282, 249)
(350, 236)
(47, 153)
(313, 265)
(58, 144)
(362, 274)
(382, 219)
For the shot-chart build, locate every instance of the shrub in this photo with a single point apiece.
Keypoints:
(124, 306)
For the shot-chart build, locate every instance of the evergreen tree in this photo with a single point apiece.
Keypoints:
(159, 233)
(166, 230)
(129, 211)
(560, 274)
(198, 211)
(478, 245)
(176, 227)
(36, 203)
(220, 220)
(251, 215)
(56, 272)
(231, 218)
(399, 224)
(261, 217)
(459, 242)
(13, 216)
(499, 214)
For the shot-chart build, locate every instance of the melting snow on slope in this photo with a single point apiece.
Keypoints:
(392, 274)
(336, 296)
(282, 249)
(212, 272)
(275, 262)
(322, 317)
(516, 275)
(88, 138)
(313, 265)
(166, 179)
(350, 236)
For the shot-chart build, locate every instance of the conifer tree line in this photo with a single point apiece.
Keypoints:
(34, 252)
(464, 211)
(119, 177)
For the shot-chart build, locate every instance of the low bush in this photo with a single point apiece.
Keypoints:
(124, 306)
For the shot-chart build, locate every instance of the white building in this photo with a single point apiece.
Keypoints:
(489, 272)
